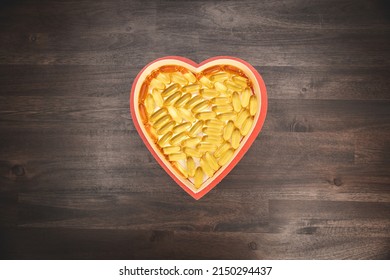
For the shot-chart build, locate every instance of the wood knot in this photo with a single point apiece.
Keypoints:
(252, 245)
(299, 126)
(18, 170)
(337, 182)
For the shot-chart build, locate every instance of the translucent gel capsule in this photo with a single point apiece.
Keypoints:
(241, 118)
(212, 139)
(253, 105)
(206, 147)
(232, 85)
(246, 94)
(166, 127)
(227, 116)
(200, 107)
(192, 152)
(191, 88)
(215, 123)
(206, 82)
(246, 126)
(157, 97)
(158, 114)
(228, 130)
(232, 69)
(178, 77)
(154, 83)
(191, 142)
(211, 161)
(186, 114)
(168, 68)
(221, 76)
(171, 150)
(149, 104)
(177, 156)
(209, 93)
(212, 131)
(196, 128)
(181, 169)
(151, 132)
(225, 157)
(236, 102)
(193, 101)
(191, 166)
(171, 89)
(175, 140)
(212, 70)
(164, 140)
(143, 92)
(172, 98)
(181, 127)
(206, 167)
(142, 113)
(243, 82)
(220, 100)
(190, 77)
(163, 78)
(174, 114)
(223, 109)
(198, 177)
(182, 100)
(220, 86)
(236, 137)
(222, 149)
(205, 115)
(162, 121)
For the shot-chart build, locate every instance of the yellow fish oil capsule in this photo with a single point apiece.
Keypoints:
(171, 89)
(143, 91)
(225, 157)
(220, 86)
(151, 132)
(206, 147)
(190, 77)
(215, 123)
(228, 130)
(181, 169)
(162, 121)
(211, 161)
(227, 116)
(212, 139)
(241, 118)
(206, 82)
(164, 140)
(223, 109)
(174, 114)
(186, 114)
(243, 82)
(198, 177)
(172, 98)
(236, 138)
(163, 78)
(166, 127)
(196, 128)
(149, 104)
(232, 85)
(205, 115)
(171, 150)
(182, 100)
(220, 100)
(192, 152)
(246, 126)
(253, 105)
(209, 93)
(181, 127)
(212, 131)
(200, 107)
(158, 114)
(246, 94)
(222, 149)
(236, 102)
(191, 88)
(177, 156)
(191, 166)
(191, 142)
(142, 113)
(206, 167)
(178, 77)
(157, 97)
(154, 83)
(193, 101)
(178, 138)
(221, 76)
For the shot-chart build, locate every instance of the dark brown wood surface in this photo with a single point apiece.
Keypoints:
(77, 182)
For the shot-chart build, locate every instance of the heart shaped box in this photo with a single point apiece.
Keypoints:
(259, 90)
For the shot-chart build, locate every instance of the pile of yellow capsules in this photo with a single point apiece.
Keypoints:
(197, 120)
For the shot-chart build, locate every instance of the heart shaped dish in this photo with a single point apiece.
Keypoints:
(198, 120)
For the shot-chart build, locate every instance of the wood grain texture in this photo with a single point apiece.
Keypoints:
(76, 181)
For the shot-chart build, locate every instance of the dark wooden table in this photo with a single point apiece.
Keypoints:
(77, 182)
